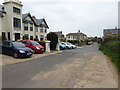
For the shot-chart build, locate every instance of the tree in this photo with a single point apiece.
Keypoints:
(54, 40)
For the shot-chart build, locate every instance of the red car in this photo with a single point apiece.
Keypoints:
(35, 46)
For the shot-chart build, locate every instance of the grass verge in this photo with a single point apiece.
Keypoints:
(112, 50)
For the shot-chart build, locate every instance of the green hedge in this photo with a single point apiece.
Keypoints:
(54, 40)
(112, 49)
(42, 43)
(75, 42)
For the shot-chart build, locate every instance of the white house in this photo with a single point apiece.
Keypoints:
(76, 36)
(14, 25)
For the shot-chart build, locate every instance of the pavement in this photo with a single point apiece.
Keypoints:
(6, 60)
(85, 67)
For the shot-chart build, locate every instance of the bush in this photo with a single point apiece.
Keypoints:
(73, 41)
(42, 43)
(111, 48)
(54, 40)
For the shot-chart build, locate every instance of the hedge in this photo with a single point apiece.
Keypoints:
(112, 49)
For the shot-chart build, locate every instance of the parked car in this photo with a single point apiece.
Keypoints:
(16, 49)
(35, 46)
(62, 46)
(68, 46)
(73, 46)
(89, 43)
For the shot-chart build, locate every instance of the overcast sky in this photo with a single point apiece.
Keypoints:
(88, 16)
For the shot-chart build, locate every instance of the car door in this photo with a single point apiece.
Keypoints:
(11, 48)
(28, 44)
(4, 47)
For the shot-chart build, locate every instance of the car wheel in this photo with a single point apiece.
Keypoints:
(33, 50)
(15, 55)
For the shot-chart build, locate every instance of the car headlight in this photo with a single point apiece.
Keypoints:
(21, 51)
(37, 48)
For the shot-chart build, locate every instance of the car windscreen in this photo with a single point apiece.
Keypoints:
(63, 43)
(18, 45)
(35, 43)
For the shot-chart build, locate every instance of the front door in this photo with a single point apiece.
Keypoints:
(17, 36)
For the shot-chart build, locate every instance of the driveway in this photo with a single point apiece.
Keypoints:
(83, 67)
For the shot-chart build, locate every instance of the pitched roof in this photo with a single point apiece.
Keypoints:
(113, 31)
(38, 22)
(25, 15)
(75, 34)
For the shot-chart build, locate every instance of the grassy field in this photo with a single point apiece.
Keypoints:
(112, 49)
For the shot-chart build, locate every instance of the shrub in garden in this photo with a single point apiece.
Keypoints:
(54, 40)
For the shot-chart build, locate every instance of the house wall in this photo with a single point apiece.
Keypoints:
(76, 37)
(9, 17)
(7, 24)
(30, 33)
(71, 37)
(39, 33)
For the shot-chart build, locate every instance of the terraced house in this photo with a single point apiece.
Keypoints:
(14, 25)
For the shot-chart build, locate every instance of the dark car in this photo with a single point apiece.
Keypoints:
(16, 49)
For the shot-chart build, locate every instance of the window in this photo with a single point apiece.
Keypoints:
(7, 44)
(45, 30)
(16, 10)
(26, 36)
(31, 27)
(68, 36)
(31, 37)
(3, 36)
(36, 29)
(41, 37)
(74, 37)
(17, 22)
(8, 35)
(41, 30)
(26, 26)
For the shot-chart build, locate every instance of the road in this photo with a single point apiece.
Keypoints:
(83, 67)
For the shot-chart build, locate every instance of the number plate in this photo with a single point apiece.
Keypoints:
(28, 53)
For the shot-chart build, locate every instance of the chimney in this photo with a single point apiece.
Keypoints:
(33, 17)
